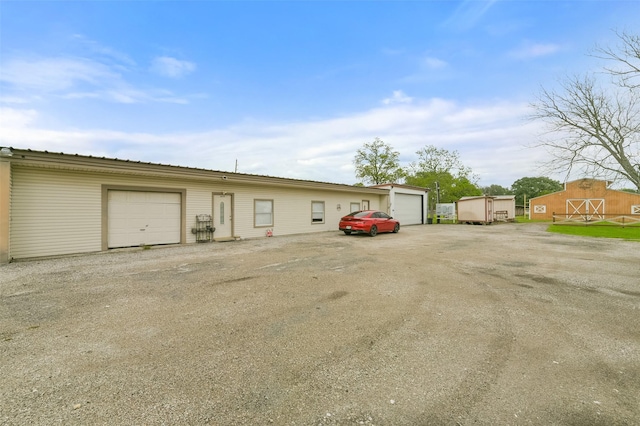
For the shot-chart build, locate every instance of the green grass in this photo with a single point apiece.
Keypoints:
(525, 219)
(631, 233)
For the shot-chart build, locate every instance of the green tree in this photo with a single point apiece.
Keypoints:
(531, 187)
(444, 173)
(594, 124)
(496, 190)
(631, 190)
(377, 163)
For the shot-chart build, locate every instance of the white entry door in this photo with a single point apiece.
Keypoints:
(222, 216)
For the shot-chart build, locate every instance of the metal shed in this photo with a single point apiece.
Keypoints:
(477, 210)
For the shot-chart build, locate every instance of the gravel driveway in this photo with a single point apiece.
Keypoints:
(438, 324)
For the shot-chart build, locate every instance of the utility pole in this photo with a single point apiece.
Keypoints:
(437, 201)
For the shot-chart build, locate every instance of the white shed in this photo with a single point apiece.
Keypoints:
(407, 203)
(476, 209)
(504, 208)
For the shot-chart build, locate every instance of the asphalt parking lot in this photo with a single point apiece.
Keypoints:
(436, 325)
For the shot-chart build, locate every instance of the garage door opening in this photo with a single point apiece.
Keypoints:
(408, 209)
(138, 218)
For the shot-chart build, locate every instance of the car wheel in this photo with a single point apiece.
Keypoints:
(396, 228)
(347, 232)
(373, 231)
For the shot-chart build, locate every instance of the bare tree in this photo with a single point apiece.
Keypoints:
(625, 59)
(596, 128)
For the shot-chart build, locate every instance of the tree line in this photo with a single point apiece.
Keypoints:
(441, 171)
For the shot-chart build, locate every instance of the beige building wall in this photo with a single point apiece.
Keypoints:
(475, 209)
(508, 204)
(54, 212)
(60, 212)
(5, 208)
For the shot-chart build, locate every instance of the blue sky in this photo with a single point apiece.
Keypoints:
(293, 88)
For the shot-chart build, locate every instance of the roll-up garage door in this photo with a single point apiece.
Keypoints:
(136, 217)
(408, 209)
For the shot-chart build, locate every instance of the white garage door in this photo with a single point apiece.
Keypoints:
(408, 209)
(136, 218)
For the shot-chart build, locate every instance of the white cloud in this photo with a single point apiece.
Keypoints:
(172, 67)
(491, 139)
(119, 59)
(398, 98)
(429, 68)
(54, 74)
(11, 118)
(433, 63)
(535, 50)
(105, 76)
(468, 14)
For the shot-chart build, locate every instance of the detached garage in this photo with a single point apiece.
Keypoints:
(408, 203)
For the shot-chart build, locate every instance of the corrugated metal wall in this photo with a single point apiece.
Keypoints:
(53, 212)
(58, 212)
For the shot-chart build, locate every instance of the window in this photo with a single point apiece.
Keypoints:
(540, 208)
(317, 212)
(635, 209)
(263, 211)
(221, 212)
(354, 207)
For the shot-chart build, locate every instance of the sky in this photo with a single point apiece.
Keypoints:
(294, 88)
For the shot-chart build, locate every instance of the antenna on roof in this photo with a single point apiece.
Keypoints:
(236, 169)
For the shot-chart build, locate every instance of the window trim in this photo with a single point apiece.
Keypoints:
(324, 210)
(255, 213)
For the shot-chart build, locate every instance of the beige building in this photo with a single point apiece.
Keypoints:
(54, 204)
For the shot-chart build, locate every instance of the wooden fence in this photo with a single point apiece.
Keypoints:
(588, 219)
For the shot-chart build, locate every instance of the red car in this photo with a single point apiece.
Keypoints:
(368, 222)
